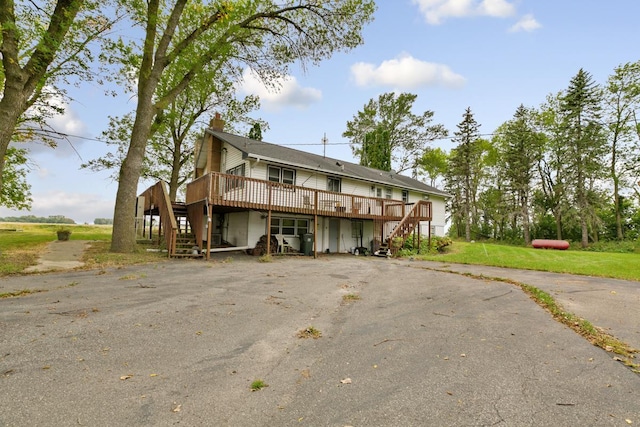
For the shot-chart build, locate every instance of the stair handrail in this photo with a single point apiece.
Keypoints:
(410, 216)
(165, 210)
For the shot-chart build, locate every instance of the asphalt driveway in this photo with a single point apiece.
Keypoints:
(180, 342)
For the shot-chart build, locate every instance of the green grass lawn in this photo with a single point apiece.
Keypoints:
(602, 264)
(21, 243)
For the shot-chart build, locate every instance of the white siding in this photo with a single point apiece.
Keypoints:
(257, 228)
(236, 229)
(231, 157)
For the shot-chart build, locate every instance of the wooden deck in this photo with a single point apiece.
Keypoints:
(248, 193)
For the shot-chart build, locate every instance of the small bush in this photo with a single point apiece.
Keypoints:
(438, 245)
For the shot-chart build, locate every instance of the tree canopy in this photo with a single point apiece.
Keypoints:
(44, 46)
(408, 133)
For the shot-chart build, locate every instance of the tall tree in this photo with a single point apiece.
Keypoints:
(255, 132)
(622, 100)
(266, 35)
(433, 163)
(465, 162)
(43, 44)
(376, 150)
(554, 191)
(520, 148)
(409, 133)
(582, 105)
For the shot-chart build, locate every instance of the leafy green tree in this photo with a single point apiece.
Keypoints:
(520, 150)
(465, 164)
(43, 45)
(433, 164)
(255, 132)
(581, 105)
(554, 191)
(15, 192)
(376, 150)
(186, 36)
(622, 100)
(409, 133)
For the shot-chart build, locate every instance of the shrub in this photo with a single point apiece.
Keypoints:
(438, 245)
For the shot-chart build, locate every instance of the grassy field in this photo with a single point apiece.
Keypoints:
(601, 264)
(21, 243)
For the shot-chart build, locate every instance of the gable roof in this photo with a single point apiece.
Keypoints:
(259, 150)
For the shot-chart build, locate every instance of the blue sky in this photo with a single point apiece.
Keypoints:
(490, 55)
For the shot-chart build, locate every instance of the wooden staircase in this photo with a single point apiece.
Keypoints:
(419, 212)
(186, 246)
(175, 226)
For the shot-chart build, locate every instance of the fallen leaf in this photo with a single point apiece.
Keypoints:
(629, 421)
(178, 408)
(199, 333)
(346, 381)
(153, 375)
(463, 355)
(450, 393)
(125, 377)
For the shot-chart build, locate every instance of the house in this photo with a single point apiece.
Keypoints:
(244, 190)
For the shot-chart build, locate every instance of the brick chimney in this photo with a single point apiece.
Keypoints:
(217, 123)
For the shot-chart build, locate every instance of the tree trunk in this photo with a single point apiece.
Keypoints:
(585, 232)
(11, 107)
(123, 237)
(558, 218)
(176, 164)
(617, 208)
(525, 220)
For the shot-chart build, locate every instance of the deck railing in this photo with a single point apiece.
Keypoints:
(249, 193)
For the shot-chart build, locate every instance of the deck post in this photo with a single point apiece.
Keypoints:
(269, 220)
(209, 231)
(315, 225)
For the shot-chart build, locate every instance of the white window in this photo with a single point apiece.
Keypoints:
(388, 193)
(289, 226)
(334, 184)
(231, 182)
(281, 175)
(405, 196)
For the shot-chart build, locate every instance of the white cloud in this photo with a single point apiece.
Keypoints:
(526, 23)
(81, 207)
(435, 11)
(286, 93)
(405, 72)
(67, 123)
